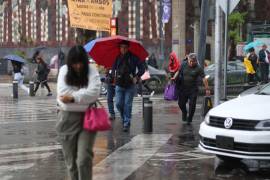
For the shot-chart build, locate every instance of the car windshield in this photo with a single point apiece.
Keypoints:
(265, 91)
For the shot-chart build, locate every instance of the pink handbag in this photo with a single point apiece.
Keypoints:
(96, 119)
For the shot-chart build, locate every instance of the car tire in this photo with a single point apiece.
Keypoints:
(153, 83)
(228, 158)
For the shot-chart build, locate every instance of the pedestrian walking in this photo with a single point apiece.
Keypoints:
(18, 71)
(143, 82)
(110, 93)
(187, 85)
(124, 70)
(253, 58)
(174, 65)
(78, 86)
(264, 59)
(42, 72)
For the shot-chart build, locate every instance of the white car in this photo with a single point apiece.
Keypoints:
(239, 128)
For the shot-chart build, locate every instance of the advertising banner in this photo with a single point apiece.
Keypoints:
(90, 14)
(166, 10)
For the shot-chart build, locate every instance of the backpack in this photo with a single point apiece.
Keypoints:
(124, 77)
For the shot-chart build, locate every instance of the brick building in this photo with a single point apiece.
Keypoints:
(29, 23)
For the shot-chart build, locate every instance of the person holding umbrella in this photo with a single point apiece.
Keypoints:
(42, 72)
(124, 70)
(124, 56)
(18, 70)
(19, 75)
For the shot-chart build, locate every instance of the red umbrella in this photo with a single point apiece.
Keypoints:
(105, 50)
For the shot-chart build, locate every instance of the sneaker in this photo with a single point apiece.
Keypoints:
(126, 128)
(152, 93)
(49, 94)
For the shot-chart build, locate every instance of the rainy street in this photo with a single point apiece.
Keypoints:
(29, 148)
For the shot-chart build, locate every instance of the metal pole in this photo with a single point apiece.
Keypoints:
(217, 56)
(58, 34)
(226, 50)
(203, 31)
(145, 98)
(161, 28)
(31, 88)
(15, 89)
(148, 117)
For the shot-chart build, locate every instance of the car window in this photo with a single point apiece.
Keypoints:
(231, 67)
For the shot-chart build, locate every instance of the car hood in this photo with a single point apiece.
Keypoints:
(250, 107)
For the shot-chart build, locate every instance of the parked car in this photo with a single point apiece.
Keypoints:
(236, 73)
(158, 78)
(156, 81)
(254, 89)
(239, 128)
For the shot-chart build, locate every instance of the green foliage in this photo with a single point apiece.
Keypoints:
(235, 21)
(20, 53)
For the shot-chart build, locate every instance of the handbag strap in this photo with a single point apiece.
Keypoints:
(98, 102)
(95, 104)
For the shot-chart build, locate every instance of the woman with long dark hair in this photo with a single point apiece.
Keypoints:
(78, 86)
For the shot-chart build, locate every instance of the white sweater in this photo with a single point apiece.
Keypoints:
(84, 96)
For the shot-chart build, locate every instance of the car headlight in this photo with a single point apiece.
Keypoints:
(207, 118)
(263, 125)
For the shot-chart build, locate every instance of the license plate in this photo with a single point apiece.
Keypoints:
(225, 142)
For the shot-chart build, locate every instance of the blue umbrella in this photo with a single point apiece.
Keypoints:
(253, 45)
(89, 45)
(12, 57)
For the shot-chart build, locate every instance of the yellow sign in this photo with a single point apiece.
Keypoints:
(90, 14)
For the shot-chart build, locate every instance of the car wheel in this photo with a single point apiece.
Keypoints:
(228, 158)
(153, 84)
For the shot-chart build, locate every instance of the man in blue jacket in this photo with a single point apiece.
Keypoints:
(127, 70)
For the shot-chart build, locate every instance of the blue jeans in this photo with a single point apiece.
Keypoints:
(110, 96)
(124, 99)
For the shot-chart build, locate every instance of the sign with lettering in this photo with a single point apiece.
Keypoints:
(90, 14)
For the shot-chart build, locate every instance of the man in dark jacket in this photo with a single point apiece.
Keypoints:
(264, 63)
(188, 86)
(124, 71)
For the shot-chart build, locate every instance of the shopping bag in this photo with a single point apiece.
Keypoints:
(96, 119)
(170, 92)
(207, 105)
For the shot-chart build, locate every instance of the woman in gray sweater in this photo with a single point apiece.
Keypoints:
(78, 86)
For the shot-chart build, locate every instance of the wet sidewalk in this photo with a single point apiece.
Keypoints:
(29, 148)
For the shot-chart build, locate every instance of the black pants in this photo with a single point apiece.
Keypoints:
(264, 68)
(251, 78)
(45, 83)
(191, 96)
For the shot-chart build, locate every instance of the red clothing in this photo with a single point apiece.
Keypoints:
(174, 63)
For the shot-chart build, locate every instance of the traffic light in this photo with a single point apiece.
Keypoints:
(114, 26)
